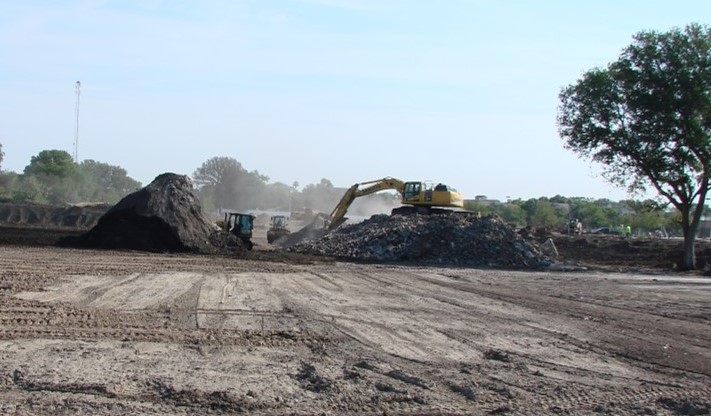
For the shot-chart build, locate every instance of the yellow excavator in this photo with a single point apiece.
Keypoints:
(418, 197)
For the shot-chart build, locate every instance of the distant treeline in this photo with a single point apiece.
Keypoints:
(554, 213)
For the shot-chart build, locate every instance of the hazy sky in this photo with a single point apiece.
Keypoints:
(459, 91)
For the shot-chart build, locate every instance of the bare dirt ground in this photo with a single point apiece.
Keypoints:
(124, 332)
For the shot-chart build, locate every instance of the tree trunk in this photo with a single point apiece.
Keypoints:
(688, 261)
(690, 220)
(689, 226)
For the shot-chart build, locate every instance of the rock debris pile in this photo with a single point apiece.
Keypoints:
(163, 216)
(443, 239)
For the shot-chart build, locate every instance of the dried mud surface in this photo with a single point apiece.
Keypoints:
(126, 332)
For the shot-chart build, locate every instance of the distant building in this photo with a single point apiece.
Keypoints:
(704, 228)
(482, 200)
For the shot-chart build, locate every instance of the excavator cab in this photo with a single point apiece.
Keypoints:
(411, 191)
(241, 225)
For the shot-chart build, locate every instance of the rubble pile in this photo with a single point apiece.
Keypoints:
(163, 216)
(443, 239)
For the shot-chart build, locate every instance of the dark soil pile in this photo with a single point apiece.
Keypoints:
(163, 216)
(442, 239)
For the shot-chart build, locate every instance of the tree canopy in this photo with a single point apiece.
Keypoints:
(52, 177)
(105, 182)
(227, 184)
(53, 163)
(646, 118)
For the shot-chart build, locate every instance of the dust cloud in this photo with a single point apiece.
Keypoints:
(369, 205)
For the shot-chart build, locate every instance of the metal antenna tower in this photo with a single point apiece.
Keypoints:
(76, 128)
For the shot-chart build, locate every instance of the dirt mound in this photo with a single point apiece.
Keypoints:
(444, 239)
(163, 216)
(47, 216)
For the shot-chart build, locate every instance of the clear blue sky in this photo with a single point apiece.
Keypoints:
(459, 91)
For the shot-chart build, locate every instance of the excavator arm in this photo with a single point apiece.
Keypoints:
(338, 215)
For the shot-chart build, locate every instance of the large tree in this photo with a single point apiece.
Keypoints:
(646, 118)
(540, 213)
(228, 184)
(217, 179)
(104, 182)
(2, 156)
(52, 177)
(52, 163)
(322, 196)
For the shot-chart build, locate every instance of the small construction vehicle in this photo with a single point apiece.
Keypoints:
(240, 225)
(417, 197)
(278, 228)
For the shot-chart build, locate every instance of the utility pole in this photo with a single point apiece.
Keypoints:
(76, 128)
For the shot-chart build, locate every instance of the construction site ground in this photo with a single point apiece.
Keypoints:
(276, 333)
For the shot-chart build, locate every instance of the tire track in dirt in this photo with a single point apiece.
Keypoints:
(490, 400)
(28, 319)
(339, 309)
(270, 338)
(326, 307)
(573, 400)
(567, 402)
(654, 330)
(153, 397)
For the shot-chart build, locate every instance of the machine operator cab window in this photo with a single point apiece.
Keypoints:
(411, 190)
(245, 224)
